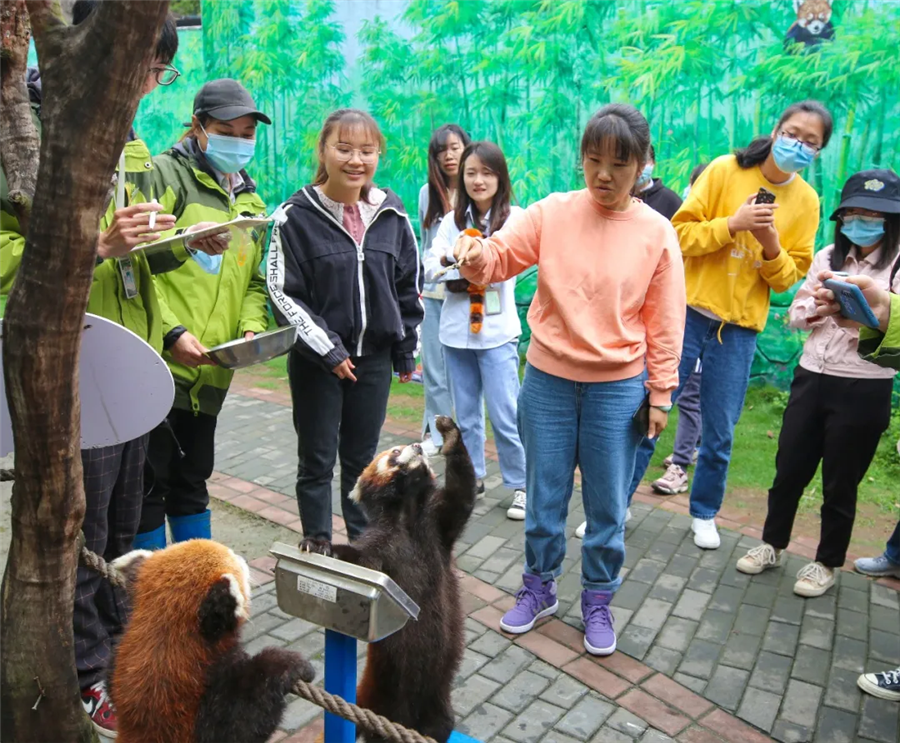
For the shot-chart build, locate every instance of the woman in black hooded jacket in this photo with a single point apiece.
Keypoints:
(344, 268)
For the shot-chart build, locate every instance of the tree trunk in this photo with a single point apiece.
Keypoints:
(92, 78)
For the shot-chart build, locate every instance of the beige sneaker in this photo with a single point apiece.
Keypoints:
(813, 580)
(673, 482)
(760, 558)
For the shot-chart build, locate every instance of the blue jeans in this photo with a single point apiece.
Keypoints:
(723, 386)
(687, 435)
(492, 375)
(434, 373)
(892, 551)
(565, 424)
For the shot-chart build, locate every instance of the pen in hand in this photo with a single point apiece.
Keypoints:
(152, 214)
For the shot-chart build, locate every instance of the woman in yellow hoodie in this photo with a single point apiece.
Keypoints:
(736, 250)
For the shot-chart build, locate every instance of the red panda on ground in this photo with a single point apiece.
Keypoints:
(179, 674)
(413, 526)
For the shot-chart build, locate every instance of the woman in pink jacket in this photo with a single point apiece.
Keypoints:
(610, 297)
(840, 404)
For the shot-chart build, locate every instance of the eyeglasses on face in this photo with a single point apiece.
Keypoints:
(344, 153)
(165, 74)
(808, 147)
(864, 218)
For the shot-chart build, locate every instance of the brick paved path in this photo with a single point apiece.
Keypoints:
(705, 653)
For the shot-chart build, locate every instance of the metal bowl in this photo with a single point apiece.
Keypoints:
(262, 347)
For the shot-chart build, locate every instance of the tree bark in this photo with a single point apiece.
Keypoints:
(92, 77)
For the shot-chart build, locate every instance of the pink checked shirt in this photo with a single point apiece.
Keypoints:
(831, 349)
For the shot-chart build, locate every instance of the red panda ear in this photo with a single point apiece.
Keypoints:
(129, 564)
(222, 609)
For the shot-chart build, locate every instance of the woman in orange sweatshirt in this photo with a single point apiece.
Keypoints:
(610, 296)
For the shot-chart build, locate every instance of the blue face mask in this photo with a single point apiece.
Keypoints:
(863, 233)
(229, 154)
(645, 176)
(790, 156)
(212, 264)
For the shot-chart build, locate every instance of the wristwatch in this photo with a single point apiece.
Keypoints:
(664, 408)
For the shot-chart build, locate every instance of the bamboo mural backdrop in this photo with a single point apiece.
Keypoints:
(708, 74)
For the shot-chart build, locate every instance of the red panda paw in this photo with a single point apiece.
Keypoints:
(317, 545)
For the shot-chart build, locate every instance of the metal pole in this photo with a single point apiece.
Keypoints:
(340, 679)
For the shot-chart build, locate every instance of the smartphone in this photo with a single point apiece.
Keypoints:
(641, 416)
(764, 196)
(853, 304)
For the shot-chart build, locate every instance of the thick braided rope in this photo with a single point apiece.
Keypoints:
(367, 719)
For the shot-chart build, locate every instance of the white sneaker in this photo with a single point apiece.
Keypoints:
(706, 536)
(428, 447)
(579, 532)
(813, 580)
(516, 511)
(760, 558)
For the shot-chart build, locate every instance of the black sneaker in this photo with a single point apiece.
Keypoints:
(884, 685)
(479, 489)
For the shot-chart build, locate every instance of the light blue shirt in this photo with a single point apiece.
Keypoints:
(497, 329)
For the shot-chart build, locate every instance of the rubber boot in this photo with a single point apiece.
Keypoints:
(150, 540)
(195, 526)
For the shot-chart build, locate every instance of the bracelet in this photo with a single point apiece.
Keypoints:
(664, 408)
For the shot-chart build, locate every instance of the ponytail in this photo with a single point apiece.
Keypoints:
(754, 153)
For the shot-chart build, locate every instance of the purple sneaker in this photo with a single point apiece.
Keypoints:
(599, 635)
(533, 601)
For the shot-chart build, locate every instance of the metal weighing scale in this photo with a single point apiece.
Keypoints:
(352, 603)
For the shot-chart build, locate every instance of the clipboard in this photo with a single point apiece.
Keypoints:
(235, 226)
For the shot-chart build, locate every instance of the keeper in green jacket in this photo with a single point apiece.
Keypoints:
(208, 301)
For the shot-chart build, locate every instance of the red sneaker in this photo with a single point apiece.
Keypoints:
(99, 708)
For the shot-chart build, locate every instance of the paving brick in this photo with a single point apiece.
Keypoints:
(884, 619)
(667, 588)
(732, 729)
(608, 684)
(625, 722)
(759, 708)
(836, 726)
(554, 736)
(741, 651)
(811, 663)
(533, 723)
(879, 720)
(691, 604)
(607, 734)
(791, 732)
(781, 638)
(490, 644)
(652, 614)
(700, 658)
(715, 626)
(726, 687)
(472, 661)
(698, 686)
(654, 736)
(697, 734)
(652, 710)
(585, 718)
(624, 666)
(817, 632)
(473, 692)
(259, 625)
(751, 620)
(507, 664)
(681, 566)
(801, 703)
(564, 692)
(771, 672)
(788, 609)
(759, 594)
(294, 629)
(485, 546)
(663, 660)
(849, 653)
(486, 720)
(309, 645)
(703, 579)
(677, 634)
(884, 647)
(564, 634)
(883, 596)
(299, 713)
(520, 691)
(677, 695)
(646, 571)
(636, 641)
(842, 691)
(853, 624)
(726, 598)
(631, 594)
(545, 670)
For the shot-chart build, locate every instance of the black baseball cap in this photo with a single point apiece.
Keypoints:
(225, 100)
(878, 190)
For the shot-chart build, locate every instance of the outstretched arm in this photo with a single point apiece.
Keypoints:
(455, 502)
(244, 697)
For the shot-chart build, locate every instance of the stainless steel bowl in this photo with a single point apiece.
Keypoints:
(262, 347)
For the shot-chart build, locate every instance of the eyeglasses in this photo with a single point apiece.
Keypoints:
(810, 149)
(344, 153)
(165, 75)
(864, 218)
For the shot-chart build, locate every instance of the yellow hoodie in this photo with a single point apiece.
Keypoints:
(727, 275)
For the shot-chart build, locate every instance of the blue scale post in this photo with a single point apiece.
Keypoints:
(340, 679)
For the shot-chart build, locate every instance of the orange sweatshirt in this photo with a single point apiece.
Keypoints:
(610, 289)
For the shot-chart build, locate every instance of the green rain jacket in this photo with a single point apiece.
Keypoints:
(140, 314)
(883, 348)
(215, 308)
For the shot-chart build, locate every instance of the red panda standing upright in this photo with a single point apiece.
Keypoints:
(179, 674)
(413, 526)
